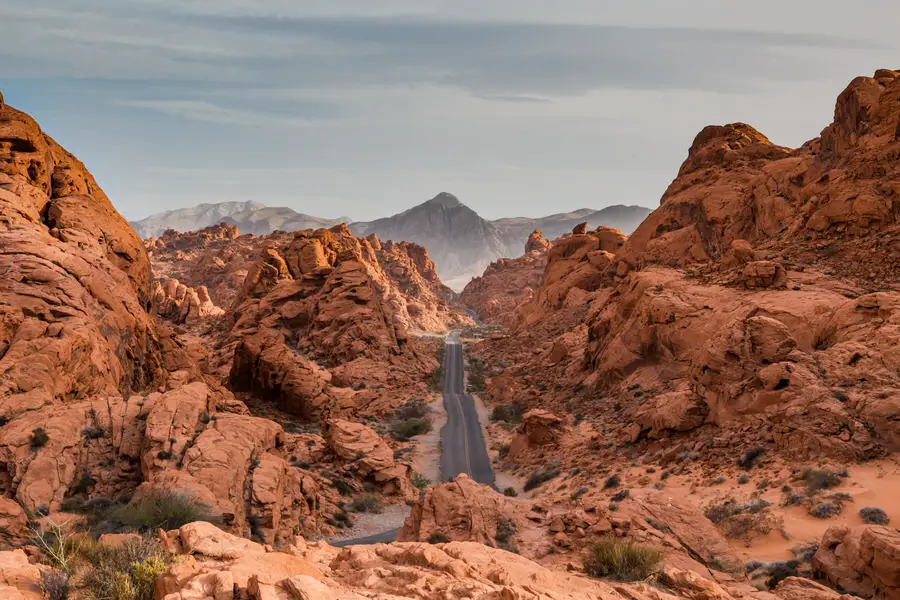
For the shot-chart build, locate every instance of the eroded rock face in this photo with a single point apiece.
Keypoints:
(182, 304)
(863, 560)
(74, 280)
(820, 201)
(366, 454)
(538, 428)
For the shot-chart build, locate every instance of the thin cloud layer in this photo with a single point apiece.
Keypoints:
(440, 96)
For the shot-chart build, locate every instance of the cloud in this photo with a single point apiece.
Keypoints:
(498, 59)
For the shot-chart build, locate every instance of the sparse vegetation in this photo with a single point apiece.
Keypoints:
(58, 547)
(343, 488)
(872, 515)
(506, 530)
(511, 492)
(507, 413)
(748, 459)
(743, 521)
(438, 537)
(123, 572)
(160, 510)
(403, 431)
(743, 479)
(820, 479)
(620, 495)
(617, 559)
(39, 438)
(92, 433)
(366, 503)
(612, 482)
(541, 476)
(55, 584)
(420, 481)
(825, 510)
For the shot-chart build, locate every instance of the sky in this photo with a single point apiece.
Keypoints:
(364, 108)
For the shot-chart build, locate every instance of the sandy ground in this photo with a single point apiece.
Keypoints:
(874, 484)
(367, 524)
(427, 457)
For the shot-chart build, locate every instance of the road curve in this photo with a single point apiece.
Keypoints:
(462, 442)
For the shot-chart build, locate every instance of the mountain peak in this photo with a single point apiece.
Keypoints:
(445, 200)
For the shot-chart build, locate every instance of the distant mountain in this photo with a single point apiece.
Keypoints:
(624, 218)
(250, 217)
(460, 241)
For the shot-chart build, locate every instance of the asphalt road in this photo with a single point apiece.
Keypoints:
(462, 442)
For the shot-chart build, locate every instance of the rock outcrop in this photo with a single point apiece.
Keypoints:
(74, 281)
(862, 560)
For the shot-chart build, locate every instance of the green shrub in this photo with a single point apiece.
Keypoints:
(511, 492)
(405, 430)
(506, 530)
(612, 482)
(160, 510)
(614, 558)
(124, 572)
(39, 438)
(420, 481)
(366, 503)
(438, 537)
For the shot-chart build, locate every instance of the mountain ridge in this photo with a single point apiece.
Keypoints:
(461, 241)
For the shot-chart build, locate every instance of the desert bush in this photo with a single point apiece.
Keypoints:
(506, 530)
(366, 503)
(438, 537)
(541, 476)
(872, 515)
(160, 510)
(39, 438)
(820, 479)
(343, 488)
(413, 409)
(749, 458)
(420, 481)
(743, 479)
(124, 572)
(614, 558)
(92, 433)
(511, 492)
(58, 547)
(404, 430)
(620, 495)
(508, 413)
(55, 584)
(613, 481)
(825, 510)
(742, 520)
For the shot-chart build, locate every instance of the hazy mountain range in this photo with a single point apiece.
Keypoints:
(460, 241)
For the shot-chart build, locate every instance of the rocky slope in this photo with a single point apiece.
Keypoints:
(744, 332)
(460, 241)
(117, 384)
(250, 217)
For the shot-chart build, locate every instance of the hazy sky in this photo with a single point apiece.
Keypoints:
(366, 107)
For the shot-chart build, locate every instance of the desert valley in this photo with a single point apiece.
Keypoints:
(699, 402)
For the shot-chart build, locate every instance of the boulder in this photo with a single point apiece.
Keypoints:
(863, 560)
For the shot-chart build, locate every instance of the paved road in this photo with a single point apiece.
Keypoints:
(462, 442)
